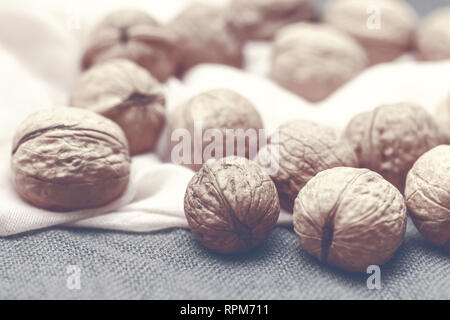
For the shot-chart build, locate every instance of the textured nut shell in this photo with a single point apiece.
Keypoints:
(427, 195)
(134, 35)
(350, 218)
(390, 138)
(66, 159)
(433, 36)
(219, 109)
(314, 60)
(260, 19)
(303, 149)
(128, 95)
(390, 40)
(231, 205)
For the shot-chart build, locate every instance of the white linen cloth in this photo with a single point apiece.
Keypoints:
(40, 47)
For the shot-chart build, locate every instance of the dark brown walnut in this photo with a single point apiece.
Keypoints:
(302, 149)
(260, 19)
(204, 36)
(233, 124)
(66, 159)
(390, 138)
(350, 218)
(427, 195)
(134, 35)
(127, 94)
(231, 205)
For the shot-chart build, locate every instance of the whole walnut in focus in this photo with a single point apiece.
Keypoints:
(127, 94)
(384, 27)
(302, 149)
(214, 124)
(260, 19)
(390, 138)
(313, 60)
(350, 218)
(427, 195)
(231, 205)
(66, 159)
(204, 36)
(134, 35)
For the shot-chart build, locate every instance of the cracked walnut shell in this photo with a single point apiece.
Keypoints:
(231, 205)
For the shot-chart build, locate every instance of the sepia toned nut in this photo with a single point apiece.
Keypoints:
(231, 205)
(314, 60)
(214, 124)
(427, 195)
(127, 94)
(390, 138)
(134, 35)
(303, 149)
(260, 19)
(384, 27)
(66, 159)
(350, 218)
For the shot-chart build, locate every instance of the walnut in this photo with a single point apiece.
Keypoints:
(350, 218)
(214, 124)
(134, 35)
(303, 149)
(231, 205)
(427, 195)
(383, 27)
(390, 138)
(127, 94)
(260, 19)
(66, 159)
(313, 60)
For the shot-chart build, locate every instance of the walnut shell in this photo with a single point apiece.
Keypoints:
(260, 19)
(427, 195)
(303, 149)
(65, 159)
(127, 94)
(134, 35)
(350, 218)
(313, 60)
(231, 205)
(390, 138)
(215, 111)
(384, 27)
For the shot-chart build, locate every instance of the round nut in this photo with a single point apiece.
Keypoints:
(127, 94)
(314, 60)
(66, 159)
(231, 205)
(133, 35)
(221, 119)
(390, 138)
(350, 218)
(302, 149)
(383, 27)
(427, 195)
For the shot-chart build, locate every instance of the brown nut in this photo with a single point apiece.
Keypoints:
(350, 218)
(260, 19)
(127, 94)
(427, 195)
(134, 35)
(204, 36)
(303, 149)
(214, 124)
(390, 138)
(66, 159)
(433, 36)
(314, 60)
(231, 205)
(383, 27)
